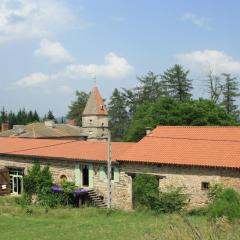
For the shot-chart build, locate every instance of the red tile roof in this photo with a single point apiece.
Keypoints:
(195, 146)
(66, 149)
(95, 104)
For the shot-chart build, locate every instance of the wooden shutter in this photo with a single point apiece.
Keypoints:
(78, 175)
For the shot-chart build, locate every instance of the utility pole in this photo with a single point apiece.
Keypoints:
(109, 171)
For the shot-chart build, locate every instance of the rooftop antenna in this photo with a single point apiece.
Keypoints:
(95, 79)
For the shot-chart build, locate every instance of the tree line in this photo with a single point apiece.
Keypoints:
(166, 99)
(23, 117)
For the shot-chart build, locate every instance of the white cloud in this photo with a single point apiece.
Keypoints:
(53, 51)
(196, 20)
(216, 61)
(115, 67)
(33, 80)
(65, 89)
(21, 19)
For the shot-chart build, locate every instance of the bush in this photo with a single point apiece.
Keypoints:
(225, 203)
(145, 188)
(169, 202)
(146, 195)
(23, 200)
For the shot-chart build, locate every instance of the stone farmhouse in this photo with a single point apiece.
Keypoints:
(193, 158)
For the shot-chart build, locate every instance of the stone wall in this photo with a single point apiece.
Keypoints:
(95, 126)
(57, 168)
(188, 178)
(121, 190)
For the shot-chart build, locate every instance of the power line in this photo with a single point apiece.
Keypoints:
(195, 139)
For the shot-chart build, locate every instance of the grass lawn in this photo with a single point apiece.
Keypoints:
(92, 223)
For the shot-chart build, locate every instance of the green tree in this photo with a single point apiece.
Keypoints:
(168, 111)
(176, 84)
(119, 119)
(230, 93)
(3, 115)
(50, 115)
(36, 116)
(76, 108)
(148, 90)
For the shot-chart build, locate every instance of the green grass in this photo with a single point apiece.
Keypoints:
(92, 223)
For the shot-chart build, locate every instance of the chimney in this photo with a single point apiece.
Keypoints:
(148, 130)
(49, 123)
(4, 126)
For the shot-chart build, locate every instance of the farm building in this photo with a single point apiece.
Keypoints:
(193, 158)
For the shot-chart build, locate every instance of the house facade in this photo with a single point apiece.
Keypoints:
(193, 158)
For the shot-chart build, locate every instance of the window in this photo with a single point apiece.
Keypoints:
(16, 180)
(205, 185)
(63, 177)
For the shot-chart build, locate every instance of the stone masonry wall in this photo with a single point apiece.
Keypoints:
(189, 178)
(57, 168)
(121, 191)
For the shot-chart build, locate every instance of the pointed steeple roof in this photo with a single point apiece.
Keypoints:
(95, 104)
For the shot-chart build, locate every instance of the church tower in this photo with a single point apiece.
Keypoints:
(95, 117)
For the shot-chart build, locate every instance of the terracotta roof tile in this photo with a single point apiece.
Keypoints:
(196, 146)
(95, 104)
(67, 149)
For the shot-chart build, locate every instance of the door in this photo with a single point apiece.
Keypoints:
(16, 184)
(85, 175)
(16, 181)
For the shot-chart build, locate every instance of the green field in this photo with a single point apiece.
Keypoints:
(91, 223)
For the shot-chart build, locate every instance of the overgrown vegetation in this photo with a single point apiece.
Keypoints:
(146, 194)
(225, 202)
(38, 189)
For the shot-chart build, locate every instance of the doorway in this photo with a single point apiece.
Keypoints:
(85, 175)
(16, 181)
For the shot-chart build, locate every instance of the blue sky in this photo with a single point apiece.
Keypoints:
(50, 48)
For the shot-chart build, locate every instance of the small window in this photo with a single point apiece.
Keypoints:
(63, 177)
(205, 185)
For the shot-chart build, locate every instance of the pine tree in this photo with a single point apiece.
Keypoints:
(176, 83)
(230, 93)
(3, 116)
(119, 119)
(149, 89)
(36, 116)
(76, 108)
(50, 115)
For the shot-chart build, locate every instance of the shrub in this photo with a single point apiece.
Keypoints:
(146, 194)
(23, 200)
(145, 188)
(215, 191)
(169, 202)
(225, 203)
(67, 194)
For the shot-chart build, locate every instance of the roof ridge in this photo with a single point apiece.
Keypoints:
(168, 126)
